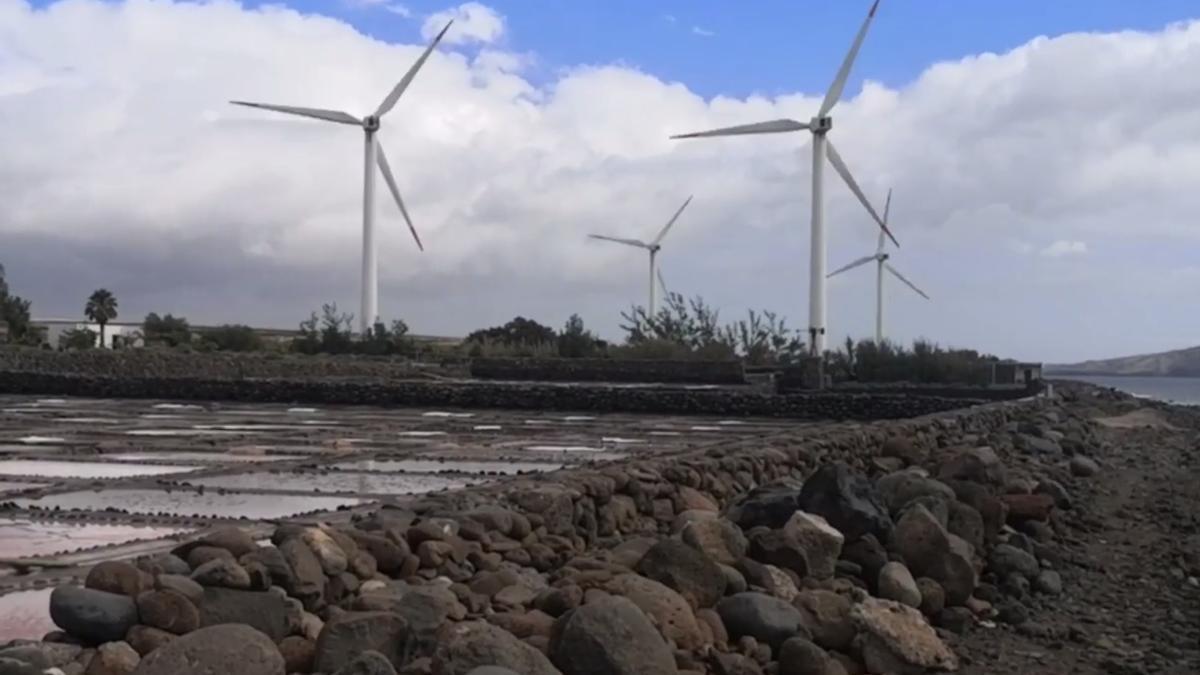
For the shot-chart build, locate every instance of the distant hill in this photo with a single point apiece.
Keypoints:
(1177, 363)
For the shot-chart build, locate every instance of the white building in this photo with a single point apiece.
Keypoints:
(121, 333)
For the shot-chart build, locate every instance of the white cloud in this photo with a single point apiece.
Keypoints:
(394, 7)
(473, 22)
(702, 32)
(1063, 248)
(122, 165)
(670, 18)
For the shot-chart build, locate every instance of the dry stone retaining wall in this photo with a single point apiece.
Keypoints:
(582, 398)
(609, 370)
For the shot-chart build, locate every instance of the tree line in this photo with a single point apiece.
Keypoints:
(683, 329)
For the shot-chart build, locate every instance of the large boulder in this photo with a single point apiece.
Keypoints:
(847, 501)
(899, 488)
(425, 608)
(464, 647)
(119, 577)
(719, 538)
(369, 662)
(799, 656)
(897, 583)
(263, 611)
(216, 650)
(670, 611)
(113, 658)
(896, 639)
(920, 539)
(169, 611)
(767, 506)
(222, 572)
(308, 585)
(233, 539)
(760, 616)
(826, 617)
(91, 615)
(610, 636)
(1007, 559)
(352, 633)
(332, 556)
(821, 543)
(687, 570)
(979, 465)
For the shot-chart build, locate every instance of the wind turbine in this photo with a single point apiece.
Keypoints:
(881, 260)
(653, 247)
(372, 155)
(819, 126)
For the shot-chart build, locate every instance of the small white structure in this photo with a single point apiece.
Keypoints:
(120, 333)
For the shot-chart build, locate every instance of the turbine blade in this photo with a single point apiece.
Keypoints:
(906, 281)
(839, 82)
(386, 169)
(671, 222)
(316, 113)
(887, 207)
(856, 263)
(773, 127)
(840, 165)
(627, 242)
(390, 102)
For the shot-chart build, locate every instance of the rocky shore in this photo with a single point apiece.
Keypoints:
(1045, 536)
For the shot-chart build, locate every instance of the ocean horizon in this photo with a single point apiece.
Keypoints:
(1178, 390)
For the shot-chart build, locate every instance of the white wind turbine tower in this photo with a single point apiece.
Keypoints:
(372, 155)
(881, 263)
(653, 247)
(819, 126)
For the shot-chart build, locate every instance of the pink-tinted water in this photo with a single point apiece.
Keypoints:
(25, 615)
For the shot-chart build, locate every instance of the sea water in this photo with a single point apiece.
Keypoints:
(1181, 390)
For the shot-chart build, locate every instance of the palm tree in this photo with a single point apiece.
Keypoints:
(101, 308)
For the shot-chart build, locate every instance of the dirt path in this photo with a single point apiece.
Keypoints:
(1131, 562)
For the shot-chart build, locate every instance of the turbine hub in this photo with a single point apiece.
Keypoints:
(371, 123)
(821, 125)
(883, 256)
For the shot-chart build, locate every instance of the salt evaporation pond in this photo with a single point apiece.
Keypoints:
(358, 483)
(16, 486)
(25, 615)
(452, 465)
(57, 469)
(187, 456)
(190, 503)
(23, 537)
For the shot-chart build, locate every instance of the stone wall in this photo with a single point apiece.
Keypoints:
(609, 370)
(581, 398)
(218, 365)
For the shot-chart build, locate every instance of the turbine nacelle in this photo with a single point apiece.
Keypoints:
(821, 125)
(371, 123)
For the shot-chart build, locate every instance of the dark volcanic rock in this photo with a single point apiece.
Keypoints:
(463, 647)
(762, 617)
(1006, 560)
(145, 639)
(232, 539)
(217, 650)
(169, 611)
(309, 580)
(118, 577)
(264, 612)
(799, 656)
(847, 501)
(718, 538)
(369, 662)
(222, 572)
(299, 654)
(685, 569)
(352, 633)
(91, 615)
(768, 506)
(610, 636)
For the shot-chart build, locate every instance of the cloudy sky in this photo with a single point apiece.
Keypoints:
(1045, 159)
